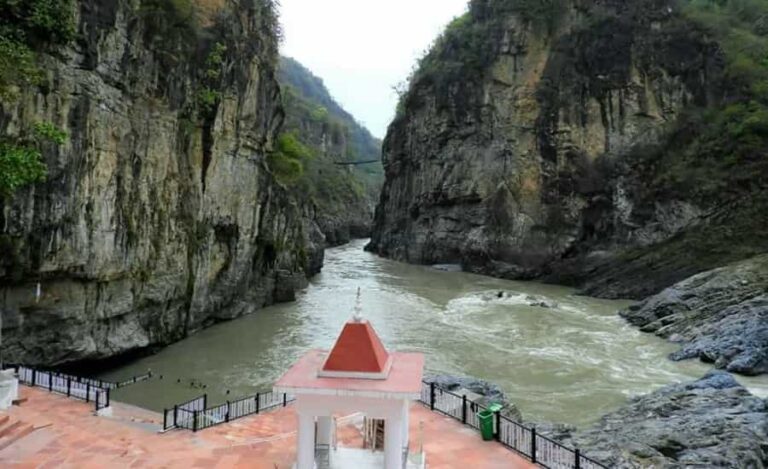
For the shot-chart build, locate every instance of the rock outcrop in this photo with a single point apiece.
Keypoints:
(712, 422)
(541, 140)
(159, 215)
(719, 316)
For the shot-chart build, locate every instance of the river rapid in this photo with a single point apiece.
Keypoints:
(560, 357)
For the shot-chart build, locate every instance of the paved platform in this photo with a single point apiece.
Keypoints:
(67, 434)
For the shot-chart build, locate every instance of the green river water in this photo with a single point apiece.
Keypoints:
(570, 363)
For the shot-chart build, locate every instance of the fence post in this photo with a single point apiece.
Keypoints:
(205, 401)
(432, 396)
(533, 444)
(285, 399)
(578, 459)
(498, 426)
(96, 401)
(107, 397)
(464, 409)
(226, 417)
(69, 387)
(50, 382)
(258, 404)
(87, 392)
(34, 378)
(194, 420)
(175, 414)
(165, 419)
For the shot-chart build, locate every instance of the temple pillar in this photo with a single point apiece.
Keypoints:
(406, 422)
(393, 442)
(305, 453)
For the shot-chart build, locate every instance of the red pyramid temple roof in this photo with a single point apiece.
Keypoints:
(357, 350)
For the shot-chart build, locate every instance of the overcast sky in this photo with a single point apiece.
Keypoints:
(361, 48)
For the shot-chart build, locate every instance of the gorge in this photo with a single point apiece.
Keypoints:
(618, 147)
(178, 197)
(580, 155)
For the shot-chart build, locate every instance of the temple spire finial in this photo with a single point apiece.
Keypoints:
(357, 315)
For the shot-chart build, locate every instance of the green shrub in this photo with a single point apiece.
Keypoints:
(207, 99)
(214, 61)
(319, 114)
(46, 131)
(21, 159)
(17, 69)
(287, 161)
(38, 22)
(27, 26)
(19, 166)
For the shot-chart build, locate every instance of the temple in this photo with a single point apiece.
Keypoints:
(357, 375)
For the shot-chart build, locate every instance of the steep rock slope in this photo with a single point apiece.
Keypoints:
(719, 316)
(344, 197)
(158, 215)
(712, 422)
(596, 143)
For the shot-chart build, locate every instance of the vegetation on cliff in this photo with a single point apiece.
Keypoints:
(318, 134)
(25, 28)
(20, 158)
(717, 151)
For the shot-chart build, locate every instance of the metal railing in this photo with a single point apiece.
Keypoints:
(196, 415)
(95, 382)
(515, 436)
(65, 385)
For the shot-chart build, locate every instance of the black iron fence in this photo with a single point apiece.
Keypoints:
(196, 415)
(65, 385)
(95, 382)
(515, 436)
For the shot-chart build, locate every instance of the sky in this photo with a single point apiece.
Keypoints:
(362, 48)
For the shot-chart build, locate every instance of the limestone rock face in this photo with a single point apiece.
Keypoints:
(712, 422)
(719, 316)
(528, 166)
(156, 219)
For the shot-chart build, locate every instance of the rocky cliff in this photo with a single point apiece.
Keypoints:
(604, 144)
(158, 215)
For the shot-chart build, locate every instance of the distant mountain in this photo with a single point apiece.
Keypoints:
(305, 85)
(344, 195)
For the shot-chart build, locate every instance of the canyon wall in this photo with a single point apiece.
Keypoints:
(159, 215)
(573, 141)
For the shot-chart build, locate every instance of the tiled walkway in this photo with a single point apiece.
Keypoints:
(68, 435)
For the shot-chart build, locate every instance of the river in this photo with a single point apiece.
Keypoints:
(570, 362)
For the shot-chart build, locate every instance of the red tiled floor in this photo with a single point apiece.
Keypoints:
(70, 436)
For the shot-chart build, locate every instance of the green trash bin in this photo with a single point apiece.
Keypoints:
(485, 417)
